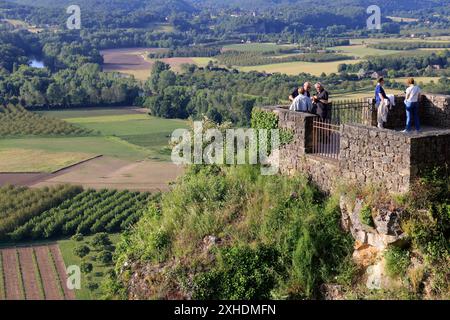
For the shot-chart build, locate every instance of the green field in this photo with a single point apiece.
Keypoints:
(124, 134)
(294, 68)
(70, 259)
(361, 51)
(257, 47)
(27, 160)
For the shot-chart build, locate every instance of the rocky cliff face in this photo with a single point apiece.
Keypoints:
(372, 241)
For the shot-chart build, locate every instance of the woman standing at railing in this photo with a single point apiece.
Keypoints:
(412, 105)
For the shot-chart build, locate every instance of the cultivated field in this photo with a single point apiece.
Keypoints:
(34, 161)
(135, 61)
(33, 273)
(134, 146)
(118, 174)
(99, 271)
(294, 68)
(257, 47)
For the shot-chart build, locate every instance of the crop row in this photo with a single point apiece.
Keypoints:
(17, 121)
(88, 212)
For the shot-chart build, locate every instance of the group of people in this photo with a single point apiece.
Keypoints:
(318, 104)
(412, 98)
(302, 100)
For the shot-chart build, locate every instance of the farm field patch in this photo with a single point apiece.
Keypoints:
(99, 271)
(135, 61)
(257, 47)
(149, 133)
(113, 173)
(23, 160)
(294, 68)
(34, 273)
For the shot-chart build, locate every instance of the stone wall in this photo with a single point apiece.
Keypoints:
(436, 110)
(429, 151)
(296, 157)
(370, 155)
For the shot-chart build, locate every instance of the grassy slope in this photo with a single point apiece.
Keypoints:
(67, 247)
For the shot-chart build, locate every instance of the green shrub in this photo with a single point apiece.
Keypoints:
(397, 261)
(105, 257)
(100, 240)
(81, 251)
(242, 273)
(78, 237)
(86, 267)
(366, 216)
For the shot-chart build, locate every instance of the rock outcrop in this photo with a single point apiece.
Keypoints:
(371, 242)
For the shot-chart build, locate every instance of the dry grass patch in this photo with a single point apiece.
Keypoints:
(23, 160)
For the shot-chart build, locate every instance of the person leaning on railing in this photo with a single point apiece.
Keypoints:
(412, 105)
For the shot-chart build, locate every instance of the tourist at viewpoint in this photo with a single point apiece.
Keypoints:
(307, 88)
(412, 105)
(301, 103)
(320, 101)
(382, 103)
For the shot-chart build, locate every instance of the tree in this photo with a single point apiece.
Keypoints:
(81, 251)
(100, 241)
(105, 257)
(86, 267)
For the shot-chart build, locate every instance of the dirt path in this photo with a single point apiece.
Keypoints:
(51, 287)
(10, 268)
(29, 274)
(61, 268)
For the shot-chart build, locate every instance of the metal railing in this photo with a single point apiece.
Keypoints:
(326, 139)
(351, 111)
(327, 132)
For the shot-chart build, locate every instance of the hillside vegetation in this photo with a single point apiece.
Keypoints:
(230, 233)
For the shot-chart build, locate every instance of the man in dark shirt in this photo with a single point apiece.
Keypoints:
(320, 101)
(306, 86)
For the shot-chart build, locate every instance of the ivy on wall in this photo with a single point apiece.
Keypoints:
(269, 120)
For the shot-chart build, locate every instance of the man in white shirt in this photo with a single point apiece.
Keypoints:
(301, 103)
(412, 105)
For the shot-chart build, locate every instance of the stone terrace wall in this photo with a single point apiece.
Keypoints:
(429, 151)
(295, 157)
(436, 110)
(370, 155)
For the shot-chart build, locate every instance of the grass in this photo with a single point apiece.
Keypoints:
(23, 160)
(294, 68)
(66, 247)
(107, 146)
(140, 130)
(423, 80)
(257, 47)
(361, 51)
